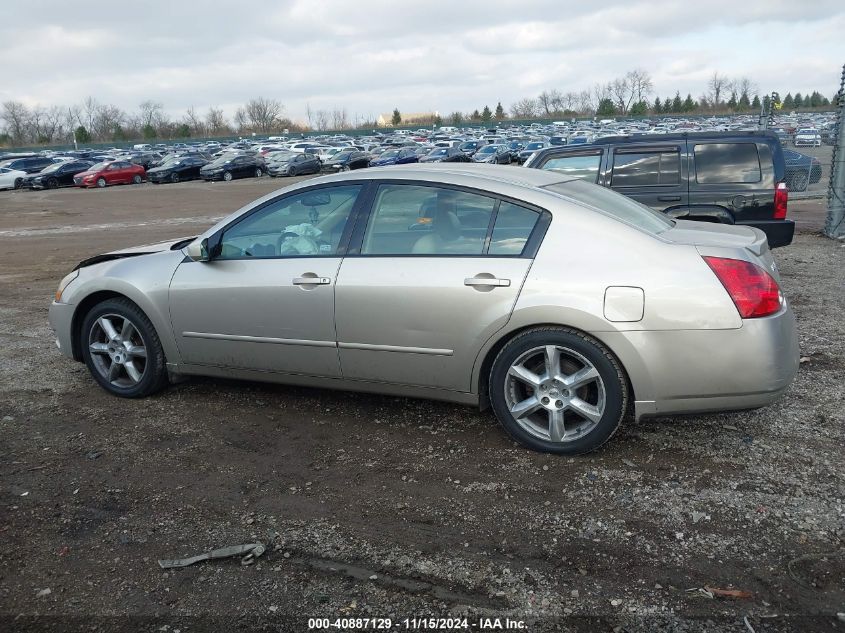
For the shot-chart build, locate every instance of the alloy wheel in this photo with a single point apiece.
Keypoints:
(118, 351)
(555, 394)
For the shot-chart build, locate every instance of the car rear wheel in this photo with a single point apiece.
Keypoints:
(122, 350)
(101, 182)
(559, 391)
(174, 177)
(258, 173)
(52, 183)
(227, 176)
(799, 181)
(18, 183)
(137, 180)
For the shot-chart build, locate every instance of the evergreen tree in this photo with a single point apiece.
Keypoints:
(732, 102)
(767, 102)
(744, 103)
(667, 105)
(755, 103)
(657, 108)
(677, 104)
(798, 100)
(438, 120)
(183, 131)
(82, 135)
(486, 114)
(788, 101)
(606, 108)
(500, 111)
(815, 99)
(148, 132)
(689, 105)
(639, 108)
(476, 115)
(396, 119)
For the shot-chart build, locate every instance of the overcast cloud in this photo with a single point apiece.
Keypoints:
(371, 56)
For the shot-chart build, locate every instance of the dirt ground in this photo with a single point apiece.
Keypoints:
(383, 507)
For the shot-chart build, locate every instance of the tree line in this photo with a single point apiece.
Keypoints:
(631, 94)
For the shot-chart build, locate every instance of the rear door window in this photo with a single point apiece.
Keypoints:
(581, 166)
(646, 167)
(719, 163)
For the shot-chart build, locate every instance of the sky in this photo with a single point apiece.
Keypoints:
(370, 56)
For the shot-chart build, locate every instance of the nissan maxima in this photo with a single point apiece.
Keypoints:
(567, 306)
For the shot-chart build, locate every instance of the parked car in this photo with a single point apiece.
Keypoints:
(532, 147)
(293, 164)
(117, 172)
(11, 178)
(230, 166)
(673, 317)
(56, 175)
(471, 147)
(30, 165)
(176, 169)
(345, 161)
(801, 170)
(807, 137)
(445, 155)
(727, 177)
(496, 154)
(401, 156)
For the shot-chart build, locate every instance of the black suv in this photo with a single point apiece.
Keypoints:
(728, 177)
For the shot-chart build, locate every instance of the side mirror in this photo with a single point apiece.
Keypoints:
(198, 250)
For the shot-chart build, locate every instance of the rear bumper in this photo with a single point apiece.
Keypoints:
(694, 371)
(778, 232)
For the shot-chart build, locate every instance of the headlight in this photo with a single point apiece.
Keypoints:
(64, 283)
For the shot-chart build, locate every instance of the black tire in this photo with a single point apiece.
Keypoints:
(258, 172)
(154, 376)
(799, 181)
(227, 176)
(174, 177)
(52, 183)
(292, 171)
(101, 182)
(18, 183)
(609, 369)
(137, 180)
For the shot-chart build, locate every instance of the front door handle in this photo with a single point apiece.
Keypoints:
(310, 279)
(669, 198)
(486, 281)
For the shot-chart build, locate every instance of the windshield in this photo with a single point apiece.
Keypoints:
(100, 166)
(490, 149)
(535, 146)
(438, 152)
(280, 157)
(613, 204)
(391, 153)
(49, 169)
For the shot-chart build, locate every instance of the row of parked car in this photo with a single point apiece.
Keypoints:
(281, 156)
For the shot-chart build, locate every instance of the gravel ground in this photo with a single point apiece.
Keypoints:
(388, 507)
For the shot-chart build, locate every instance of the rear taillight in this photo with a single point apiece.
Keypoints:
(754, 292)
(781, 198)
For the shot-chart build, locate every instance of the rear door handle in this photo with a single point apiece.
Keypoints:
(669, 198)
(311, 281)
(486, 281)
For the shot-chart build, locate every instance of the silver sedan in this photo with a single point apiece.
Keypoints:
(561, 305)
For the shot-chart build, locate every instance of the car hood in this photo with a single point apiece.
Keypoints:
(134, 251)
(83, 174)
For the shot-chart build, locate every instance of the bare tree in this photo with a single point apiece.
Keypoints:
(89, 107)
(550, 102)
(17, 117)
(339, 119)
(525, 108)
(745, 86)
(321, 120)
(215, 121)
(620, 93)
(107, 120)
(717, 84)
(585, 102)
(194, 121)
(263, 114)
(241, 119)
(640, 84)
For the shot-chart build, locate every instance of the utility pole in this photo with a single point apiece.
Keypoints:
(834, 226)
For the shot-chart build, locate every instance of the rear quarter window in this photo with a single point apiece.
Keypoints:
(581, 166)
(720, 163)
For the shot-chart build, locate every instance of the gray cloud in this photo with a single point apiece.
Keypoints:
(370, 56)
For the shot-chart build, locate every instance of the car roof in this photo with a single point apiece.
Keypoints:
(679, 136)
(448, 172)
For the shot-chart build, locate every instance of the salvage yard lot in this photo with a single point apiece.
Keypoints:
(390, 507)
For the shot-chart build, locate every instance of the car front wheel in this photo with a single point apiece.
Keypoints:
(122, 350)
(258, 173)
(101, 182)
(227, 176)
(136, 179)
(558, 390)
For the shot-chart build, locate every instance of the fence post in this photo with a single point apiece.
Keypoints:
(835, 224)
